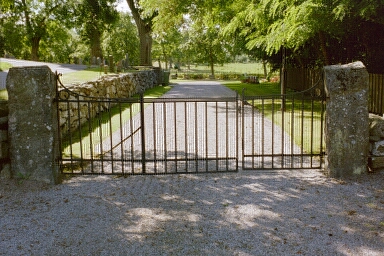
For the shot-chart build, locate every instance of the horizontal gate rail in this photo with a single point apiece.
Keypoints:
(283, 131)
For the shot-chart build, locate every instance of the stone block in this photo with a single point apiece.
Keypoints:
(347, 119)
(376, 126)
(376, 162)
(32, 124)
(378, 148)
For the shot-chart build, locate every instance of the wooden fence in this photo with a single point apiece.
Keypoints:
(376, 94)
(300, 79)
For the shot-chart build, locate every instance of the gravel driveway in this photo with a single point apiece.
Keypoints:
(245, 213)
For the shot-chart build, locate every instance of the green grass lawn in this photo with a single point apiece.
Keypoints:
(249, 68)
(229, 71)
(89, 74)
(301, 118)
(82, 76)
(5, 66)
(253, 89)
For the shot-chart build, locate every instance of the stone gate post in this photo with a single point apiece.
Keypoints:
(32, 125)
(347, 122)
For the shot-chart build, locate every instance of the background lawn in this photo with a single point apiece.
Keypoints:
(5, 66)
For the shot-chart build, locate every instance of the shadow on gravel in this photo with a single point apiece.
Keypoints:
(250, 213)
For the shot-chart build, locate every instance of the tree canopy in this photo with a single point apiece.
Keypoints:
(311, 32)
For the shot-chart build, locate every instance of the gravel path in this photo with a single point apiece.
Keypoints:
(245, 213)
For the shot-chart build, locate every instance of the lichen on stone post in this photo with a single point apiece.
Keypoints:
(33, 132)
(347, 122)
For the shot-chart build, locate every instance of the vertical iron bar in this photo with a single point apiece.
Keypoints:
(226, 135)
(186, 137)
(70, 135)
(121, 138)
(292, 131)
(176, 139)
(237, 131)
(206, 137)
(100, 124)
(273, 133)
(323, 102)
(262, 132)
(253, 153)
(131, 133)
(111, 135)
(80, 136)
(142, 124)
(282, 133)
(59, 161)
(154, 137)
(302, 131)
(217, 136)
(312, 129)
(196, 140)
(90, 135)
(242, 129)
(165, 136)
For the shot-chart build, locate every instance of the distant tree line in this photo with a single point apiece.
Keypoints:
(66, 30)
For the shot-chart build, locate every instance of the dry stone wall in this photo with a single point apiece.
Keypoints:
(78, 110)
(376, 140)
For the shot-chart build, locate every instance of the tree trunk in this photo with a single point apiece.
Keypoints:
(324, 48)
(145, 46)
(145, 34)
(95, 38)
(35, 42)
(212, 63)
(265, 68)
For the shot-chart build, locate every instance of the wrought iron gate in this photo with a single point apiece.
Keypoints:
(173, 136)
(284, 131)
(147, 136)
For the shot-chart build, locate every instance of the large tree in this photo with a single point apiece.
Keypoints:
(93, 18)
(200, 20)
(337, 28)
(144, 23)
(123, 40)
(35, 17)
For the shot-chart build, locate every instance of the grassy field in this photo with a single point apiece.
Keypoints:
(82, 76)
(242, 68)
(301, 118)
